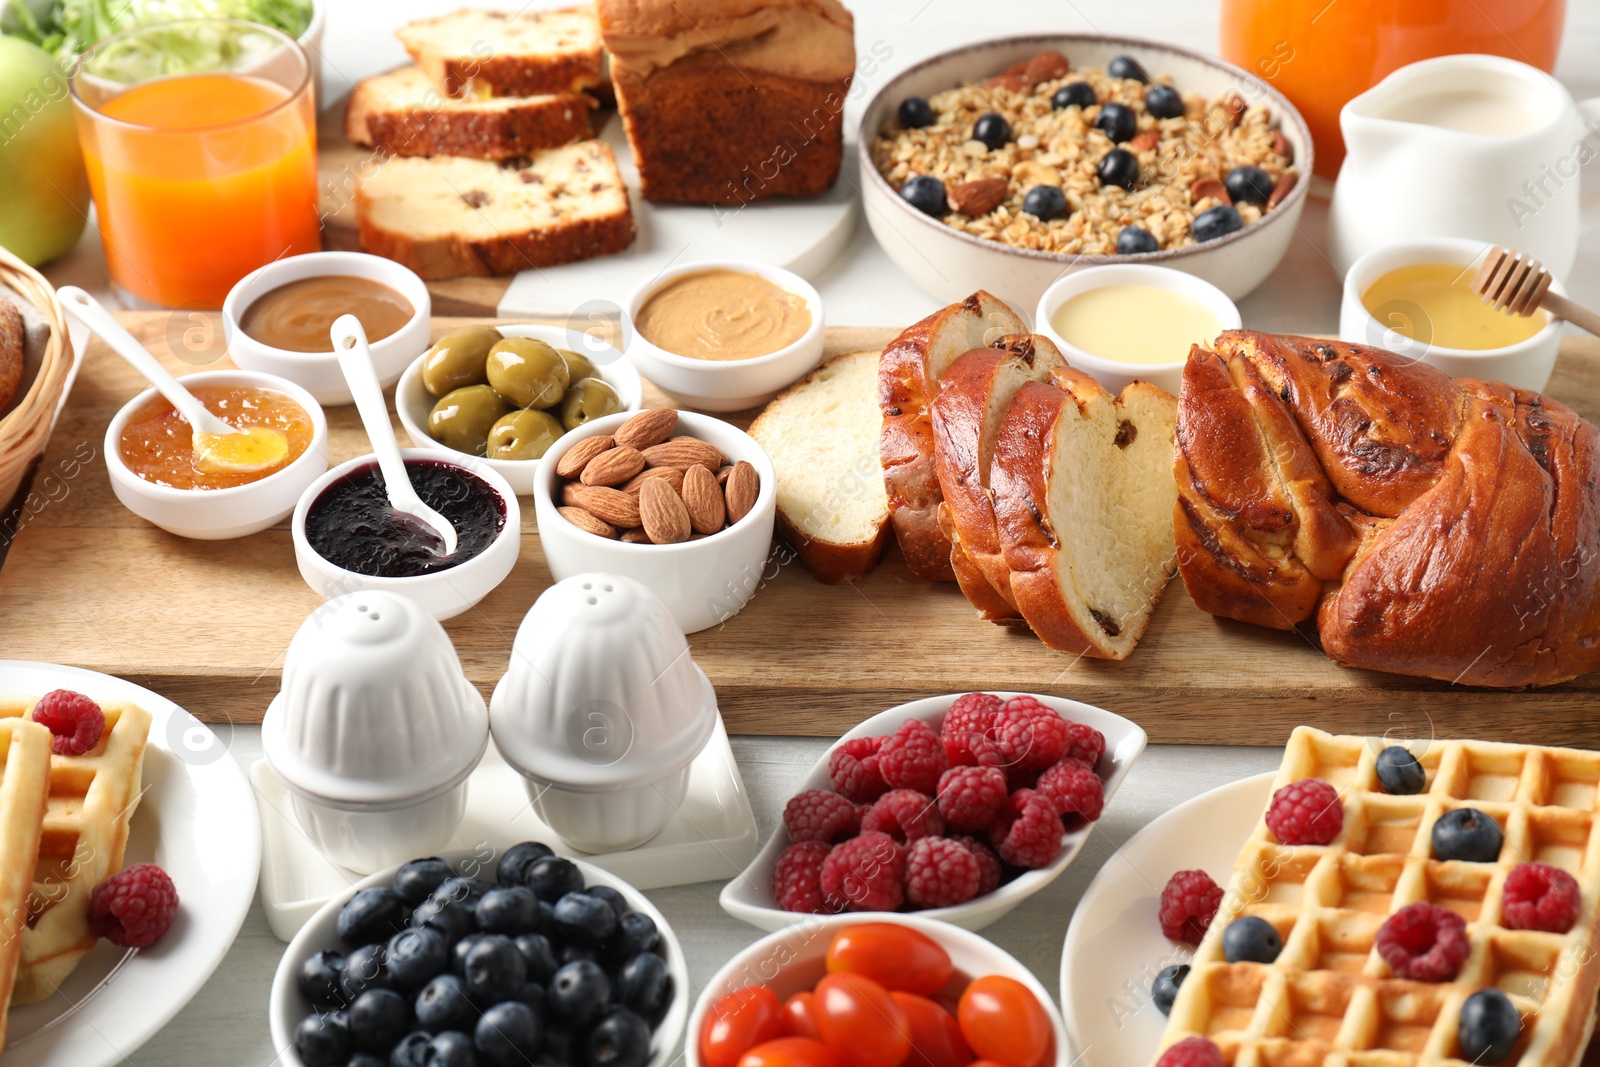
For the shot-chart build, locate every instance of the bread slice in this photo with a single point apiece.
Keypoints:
(445, 217)
(822, 436)
(908, 382)
(401, 114)
(473, 53)
(1083, 501)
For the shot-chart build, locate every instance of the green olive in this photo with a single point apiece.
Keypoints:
(588, 399)
(523, 435)
(457, 359)
(463, 417)
(528, 373)
(578, 366)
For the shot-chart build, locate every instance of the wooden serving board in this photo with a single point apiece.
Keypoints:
(205, 623)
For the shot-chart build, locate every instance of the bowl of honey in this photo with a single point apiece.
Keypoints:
(150, 456)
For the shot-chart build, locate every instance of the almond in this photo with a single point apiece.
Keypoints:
(683, 453)
(1235, 106)
(608, 505)
(1046, 67)
(671, 475)
(662, 513)
(1284, 186)
(569, 494)
(1208, 185)
(1014, 77)
(588, 523)
(635, 536)
(613, 467)
(741, 491)
(647, 428)
(1281, 145)
(723, 472)
(1144, 140)
(703, 497)
(578, 456)
(978, 197)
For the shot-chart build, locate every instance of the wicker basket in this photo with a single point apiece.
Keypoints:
(25, 427)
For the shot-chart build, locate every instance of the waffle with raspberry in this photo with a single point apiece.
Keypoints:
(24, 788)
(1329, 998)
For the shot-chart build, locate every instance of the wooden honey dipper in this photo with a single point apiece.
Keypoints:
(1511, 281)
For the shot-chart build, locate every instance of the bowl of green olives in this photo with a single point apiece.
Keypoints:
(505, 394)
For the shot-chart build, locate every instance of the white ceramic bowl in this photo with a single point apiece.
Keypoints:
(1114, 374)
(732, 384)
(704, 583)
(950, 265)
(287, 1006)
(749, 896)
(319, 372)
(443, 594)
(794, 960)
(413, 402)
(218, 514)
(1526, 365)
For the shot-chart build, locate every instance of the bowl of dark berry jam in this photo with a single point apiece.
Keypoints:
(347, 537)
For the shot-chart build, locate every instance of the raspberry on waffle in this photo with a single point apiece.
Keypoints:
(24, 788)
(1330, 997)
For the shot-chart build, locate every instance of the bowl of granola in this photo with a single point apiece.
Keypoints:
(1009, 163)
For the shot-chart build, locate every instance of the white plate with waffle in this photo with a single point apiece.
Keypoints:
(196, 819)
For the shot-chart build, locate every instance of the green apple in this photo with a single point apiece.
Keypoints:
(44, 192)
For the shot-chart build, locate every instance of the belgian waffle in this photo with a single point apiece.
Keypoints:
(24, 787)
(85, 831)
(1329, 998)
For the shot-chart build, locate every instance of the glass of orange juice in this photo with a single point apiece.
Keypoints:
(200, 140)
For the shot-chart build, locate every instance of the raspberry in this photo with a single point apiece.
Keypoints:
(913, 758)
(989, 873)
(1424, 942)
(133, 908)
(76, 721)
(853, 769)
(968, 728)
(1540, 897)
(905, 815)
(1074, 789)
(797, 878)
(940, 873)
(1192, 1052)
(971, 797)
(1307, 812)
(818, 815)
(1088, 744)
(865, 873)
(1030, 736)
(1028, 831)
(1188, 904)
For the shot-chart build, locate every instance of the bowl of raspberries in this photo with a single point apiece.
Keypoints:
(958, 808)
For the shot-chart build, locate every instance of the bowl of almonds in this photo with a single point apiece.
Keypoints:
(679, 501)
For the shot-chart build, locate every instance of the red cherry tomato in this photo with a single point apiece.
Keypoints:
(738, 1023)
(894, 956)
(790, 1052)
(1002, 1021)
(936, 1039)
(860, 1022)
(800, 1016)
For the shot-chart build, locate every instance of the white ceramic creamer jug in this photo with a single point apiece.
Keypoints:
(1464, 146)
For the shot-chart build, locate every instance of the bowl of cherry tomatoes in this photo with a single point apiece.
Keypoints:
(836, 991)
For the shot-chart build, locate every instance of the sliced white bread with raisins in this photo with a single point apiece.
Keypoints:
(402, 113)
(474, 53)
(822, 437)
(1083, 499)
(908, 382)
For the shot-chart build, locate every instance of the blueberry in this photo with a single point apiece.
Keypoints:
(458, 952)
(926, 193)
(451, 918)
(1136, 240)
(378, 1019)
(1045, 202)
(363, 970)
(367, 1059)
(553, 877)
(1488, 1028)
(374, 914)
(644, 985)
(514, 863)
(533, 995)
(1248, 185)
(1251, 940)
(538, 956)
(494, 970)
(614, 897)
(621, 1039)
(416, 955)
(915, 113)
(322, 1040)
(1117, 122)
(1164, 102)
(509, 910)
(1123, 67)
(1165, 988)
(576, 953)
(508, 1035)
(412, 1051)
(443, 1004)
(415, 880)
(452, 1048)
(318, 976)
(578, 993)
(1118, 167)
(992, 129)
(1215, 222)
(560, 1046)
(1467, 834)
(584, 919)
(636, 933)
(1399, 772)
(1074, 94)
(467, 891)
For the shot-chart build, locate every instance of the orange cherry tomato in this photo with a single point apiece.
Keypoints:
(790, 1052)
(894, 956)
(860, 1022)
(800, 1016)
(738, 1023)
(936, 1039)
(1003, 1021)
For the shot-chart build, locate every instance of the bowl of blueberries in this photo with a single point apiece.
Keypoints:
(483, 958)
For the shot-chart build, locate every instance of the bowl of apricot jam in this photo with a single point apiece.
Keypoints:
(149, 452)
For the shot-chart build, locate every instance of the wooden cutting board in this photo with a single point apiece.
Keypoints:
(205, 623)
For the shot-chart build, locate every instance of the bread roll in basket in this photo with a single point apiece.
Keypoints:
(28, 412)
